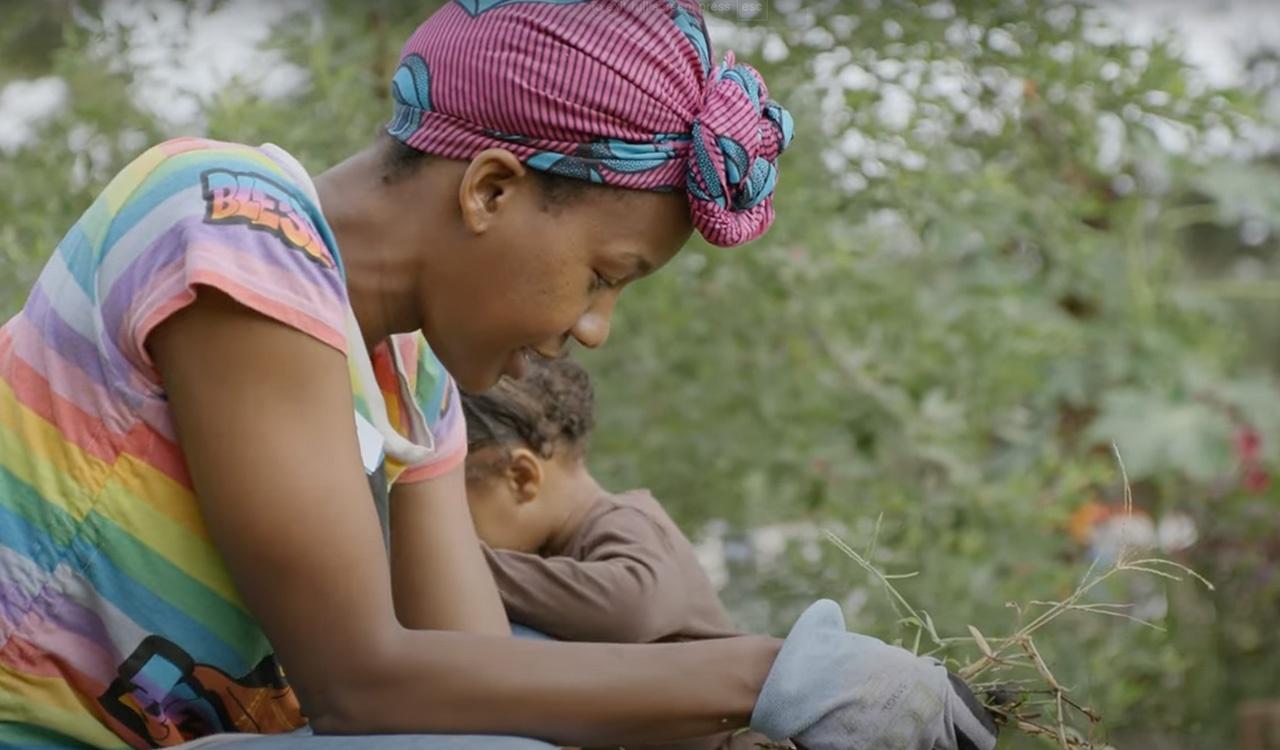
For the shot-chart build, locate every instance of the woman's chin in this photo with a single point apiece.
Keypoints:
(481, 379)
(516, 364)
(476, 380)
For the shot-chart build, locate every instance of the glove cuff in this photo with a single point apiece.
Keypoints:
(786, 706)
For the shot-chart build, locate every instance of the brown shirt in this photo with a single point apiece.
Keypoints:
(627, 576)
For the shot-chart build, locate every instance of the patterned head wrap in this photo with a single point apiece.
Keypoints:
(617, 92)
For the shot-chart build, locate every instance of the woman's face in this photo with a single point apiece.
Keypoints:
(525, 277)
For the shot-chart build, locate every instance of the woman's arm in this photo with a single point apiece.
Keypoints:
(265, 418)
(439, 576)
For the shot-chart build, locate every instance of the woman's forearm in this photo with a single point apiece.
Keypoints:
(440, 579)
(571, 693)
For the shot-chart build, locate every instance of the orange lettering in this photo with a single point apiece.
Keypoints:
(222, 203)
(294, 231)
(267, 216)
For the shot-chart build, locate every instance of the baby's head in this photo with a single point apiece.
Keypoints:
(527, 442)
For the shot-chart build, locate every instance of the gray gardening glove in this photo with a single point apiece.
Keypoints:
(834, 690)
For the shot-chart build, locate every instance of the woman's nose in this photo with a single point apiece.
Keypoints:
(592, 329)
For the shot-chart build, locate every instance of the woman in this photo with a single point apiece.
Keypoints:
(231, 437)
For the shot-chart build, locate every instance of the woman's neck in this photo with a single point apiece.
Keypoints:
(374, 230)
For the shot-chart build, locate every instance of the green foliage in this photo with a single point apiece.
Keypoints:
(953, 337)
(963, 303)
(349, 59)
(53, 179)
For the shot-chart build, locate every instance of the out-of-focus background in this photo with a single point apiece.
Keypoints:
(1011, 233)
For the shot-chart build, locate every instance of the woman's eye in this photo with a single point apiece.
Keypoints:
(601, 282)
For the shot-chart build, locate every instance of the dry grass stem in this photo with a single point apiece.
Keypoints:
(1021, 690)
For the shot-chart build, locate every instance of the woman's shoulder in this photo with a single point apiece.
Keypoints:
(214, 183)
(173, 159)
(197, 212)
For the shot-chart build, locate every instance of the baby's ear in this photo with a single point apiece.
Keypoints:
(525, 474)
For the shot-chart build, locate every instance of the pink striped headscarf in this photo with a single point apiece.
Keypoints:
(618, 92)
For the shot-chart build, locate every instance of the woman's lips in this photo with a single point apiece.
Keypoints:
(518, 361)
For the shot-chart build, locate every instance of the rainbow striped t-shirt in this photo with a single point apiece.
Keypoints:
(119, 623)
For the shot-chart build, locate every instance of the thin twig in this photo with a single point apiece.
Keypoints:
(995, 660)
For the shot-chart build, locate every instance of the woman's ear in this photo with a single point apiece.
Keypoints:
(525, 474)
(487, 185)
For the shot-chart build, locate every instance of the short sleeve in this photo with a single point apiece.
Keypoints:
(223, 217)
(428, 409)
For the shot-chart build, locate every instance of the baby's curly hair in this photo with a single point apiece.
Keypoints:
(551, 408)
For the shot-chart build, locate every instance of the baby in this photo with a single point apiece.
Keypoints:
(571, 559)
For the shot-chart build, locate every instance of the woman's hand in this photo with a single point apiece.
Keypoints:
(831, 689)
